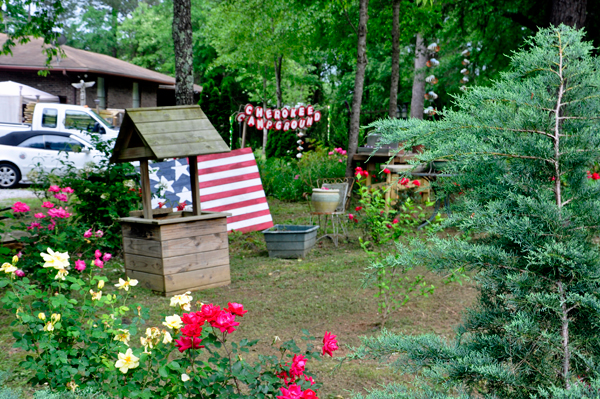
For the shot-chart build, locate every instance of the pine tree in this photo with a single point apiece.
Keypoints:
(519, 153)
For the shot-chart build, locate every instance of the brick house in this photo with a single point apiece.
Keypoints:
(119, 84)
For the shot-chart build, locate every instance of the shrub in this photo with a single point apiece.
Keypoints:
(288, 179)
(79, 334)
(104, 191)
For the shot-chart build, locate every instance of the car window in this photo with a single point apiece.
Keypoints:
(61, 143)
(79, 120)
(33, 142)
(49, 117)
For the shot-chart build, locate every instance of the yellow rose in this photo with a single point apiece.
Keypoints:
(56, 260)
(55, 318)
(124, 285)
(127, 361)
(123, 336)
(173, 322)
(100, 284)
(42, 316)
(15, 259)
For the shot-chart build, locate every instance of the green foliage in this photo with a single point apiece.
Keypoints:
(288, 179)
(79, 336)
(520, 151)
(105, 192)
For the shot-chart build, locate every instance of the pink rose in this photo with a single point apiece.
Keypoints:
(184, 343)
(210, 312)
(99, 233)
(48, 205)
(51, 226)
(298, 364)
(97, 254)
(87, 234)
(34, 225)
(350, 216)
(106, 257)
(225, 321)
(19, 273)
(292, 392)
(19, 207)
(54, 189)
(344, 152)
(68, 190)
(58, 213)
(80, 265)
(192, 330)
(394, 221)
(61, 197)
(39, 215)
(99, 263)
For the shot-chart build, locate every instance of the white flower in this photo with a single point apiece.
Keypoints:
(124, 285)
(61, 275)
(167, 339)
(127, 361)
(173, 322)
(96, 295)
(123, 336)
(56, 260)
(183, 300)
(49, 326)
(185, 377)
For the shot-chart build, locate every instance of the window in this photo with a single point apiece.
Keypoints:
(61, 143)
(33, 142)
(49, 118)
(79, 120)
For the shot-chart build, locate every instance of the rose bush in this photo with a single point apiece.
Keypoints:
(80, 332)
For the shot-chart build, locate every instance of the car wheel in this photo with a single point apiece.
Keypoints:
(10, 175)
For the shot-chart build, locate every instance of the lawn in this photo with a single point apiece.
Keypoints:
(320, 293)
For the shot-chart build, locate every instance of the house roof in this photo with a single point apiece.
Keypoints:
(29, 56)
(166, 132)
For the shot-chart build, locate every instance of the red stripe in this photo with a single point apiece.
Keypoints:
(237, 205)
(246, 216)
(256, 227)
(227, 180)
(241, 151)
(229, 166)
(230, 193)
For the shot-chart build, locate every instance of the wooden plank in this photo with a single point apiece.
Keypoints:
(198, 288)
(136, 153)
(141, 115)
(155, 212)
(192, 229)
(191, 245)
(136, 246)
(150, 281)
(186, 263)
(141, 231)
(168, 138)
(161, 127)
(197, 278)
(184, 219)
(146, 189)
(145, 264)
(194, 185)
(190, 149)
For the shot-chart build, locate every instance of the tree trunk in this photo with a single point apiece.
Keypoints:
(182, 39)
(393, 110)
(569, 12)
(417, 103)
(114, 25)
(278, 61)
(265, 131)
(359, 84)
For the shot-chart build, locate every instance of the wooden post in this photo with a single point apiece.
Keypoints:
(244, 134)
(146, 191)
(194, 185)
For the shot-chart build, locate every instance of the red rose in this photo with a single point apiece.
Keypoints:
(225, 321)
(192, 318)
(329, 344)
(210, 312)
(192, 330)
(298, 364)
(386, 171)
(293, 392)
(404, 181)
(236, 309)
(184, 343)
(309, 394)
(418, 183)
(394, 221)
(358, 208)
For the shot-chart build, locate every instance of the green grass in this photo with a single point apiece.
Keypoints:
(320, 293)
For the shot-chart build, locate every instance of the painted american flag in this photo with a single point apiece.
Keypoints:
(229, 182)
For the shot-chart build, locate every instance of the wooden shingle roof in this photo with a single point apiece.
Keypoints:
(166, 132)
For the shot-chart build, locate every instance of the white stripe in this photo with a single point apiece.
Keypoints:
(230, 186)
(204, 177)
(249, 209)
(207, 205)
(225, 161)
(249, 222)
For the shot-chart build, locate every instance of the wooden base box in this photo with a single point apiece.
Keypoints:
(175, 252)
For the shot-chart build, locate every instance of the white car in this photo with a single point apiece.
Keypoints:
(21, 152)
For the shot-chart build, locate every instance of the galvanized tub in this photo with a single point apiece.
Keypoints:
(290, 241)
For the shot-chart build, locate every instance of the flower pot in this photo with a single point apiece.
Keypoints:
(324, 201)
(289, 241)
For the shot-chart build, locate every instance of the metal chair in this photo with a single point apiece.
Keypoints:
(344, 185)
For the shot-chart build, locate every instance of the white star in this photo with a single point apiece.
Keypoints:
(153, 173)
(180, 170)
(185, 195)
(165, 185)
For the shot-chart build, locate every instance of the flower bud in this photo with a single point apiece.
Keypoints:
(41, 316)
(15, 259)
(100, 284)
